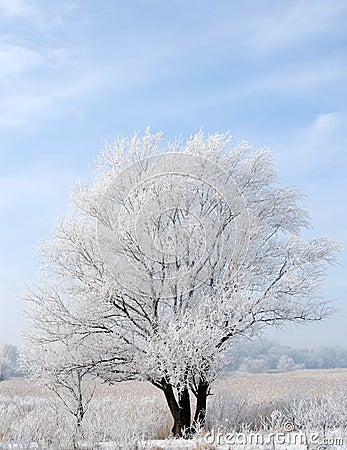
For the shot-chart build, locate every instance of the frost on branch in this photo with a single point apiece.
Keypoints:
(172, 254)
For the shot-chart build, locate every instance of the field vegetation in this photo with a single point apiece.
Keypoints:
(133, 415)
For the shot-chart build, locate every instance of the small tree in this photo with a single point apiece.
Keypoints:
(5, 369)
(171, 255)
(56, 365)
(8, 361)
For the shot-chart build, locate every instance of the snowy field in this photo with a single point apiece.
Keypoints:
(294, 410)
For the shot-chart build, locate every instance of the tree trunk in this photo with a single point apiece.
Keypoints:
(174, 408)
(201, 403)
(180, 409)
(185, 410)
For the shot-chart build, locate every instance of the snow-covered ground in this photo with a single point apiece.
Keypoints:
(120, 416)
(231, 441)
(253, 441)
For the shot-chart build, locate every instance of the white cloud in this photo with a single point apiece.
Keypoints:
(297, 80)
(304, 20)
(39, 76)
(23, 107)
(16, 7)
(35, 82)
(262, 31)
(15, 59)
(310, 149)
(169, 58)
(314, 158)
(324, 127)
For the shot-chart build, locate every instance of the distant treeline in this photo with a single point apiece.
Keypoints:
(254, 356)
(265, 356)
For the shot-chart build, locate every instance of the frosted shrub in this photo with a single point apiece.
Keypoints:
(313, 414)
(123, 421)
(276, 421)
(320, 413)
(28, 420)
(228, 411)
(237, 412)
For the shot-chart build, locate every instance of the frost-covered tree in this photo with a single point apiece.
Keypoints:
(172, 253)
(8, 361)
(56, 363)
(5, 369)
(286, 363)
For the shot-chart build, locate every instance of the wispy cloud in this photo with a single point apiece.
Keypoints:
(16, 59)
(39, 71)
(294, 80)
(293, 25)
(37, 102)
(317, 148)
(314, 157)
(35, 84)
(16, 7)
(48, 74)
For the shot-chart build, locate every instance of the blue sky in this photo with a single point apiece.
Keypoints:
(76, 73)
